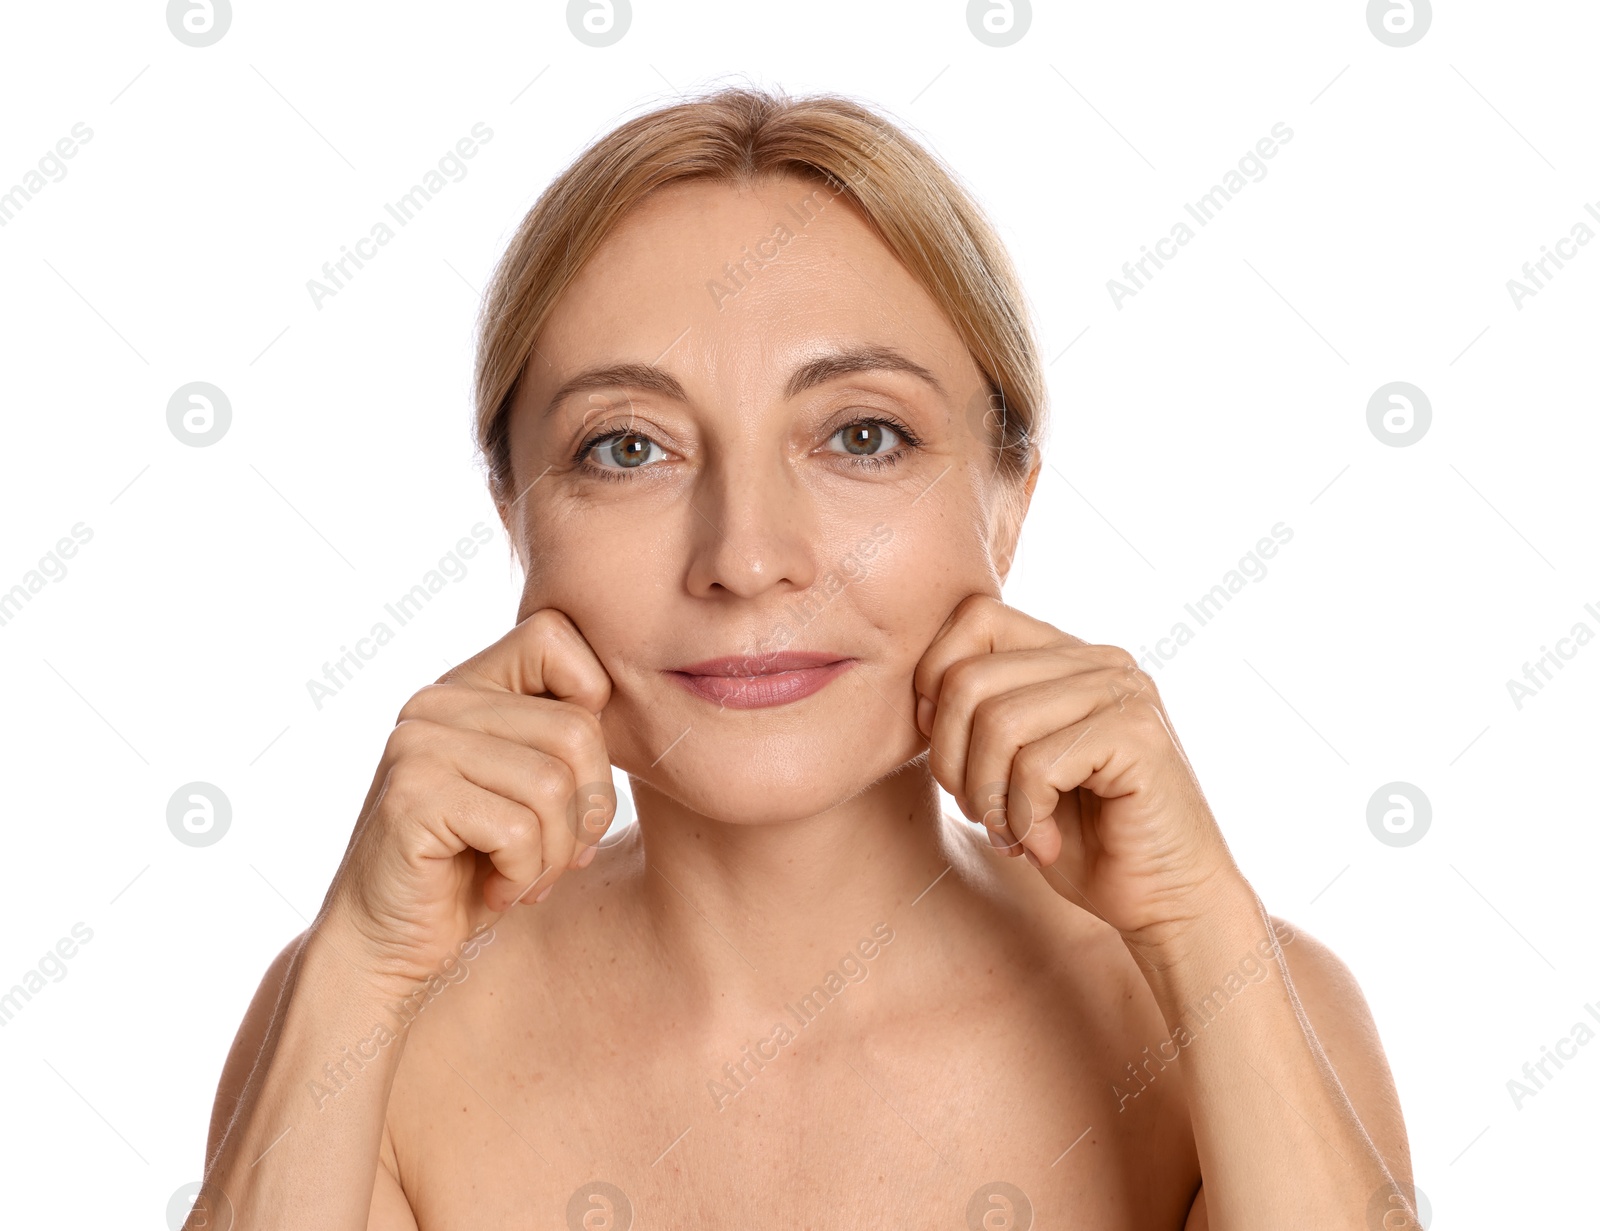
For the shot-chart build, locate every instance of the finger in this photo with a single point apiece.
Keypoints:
(989, 706)
(989, 811)
(965, 632)
(980, 624)
(1070, 868)
(543, 784)
(592, 803)
(465, 816)
(964, 686)
(979, 629)
(1080, 755)
(544, 655)
(1005, 722)
(564, 730)
(989, 806)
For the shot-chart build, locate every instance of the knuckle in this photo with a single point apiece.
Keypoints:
(522, 832)
(1143, 686)
(409, 784)
(975, 603)
(578, 733)
(412, 739)
(1029, 762)
(1147, 719)
(547, 622)
(403, 738)
(1116, 657)
(1000, 716)
(550, 777)
(970, 608)
(420, 703)
(961, 681)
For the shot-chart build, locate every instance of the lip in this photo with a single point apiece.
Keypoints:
(744, 683)
(762, 664)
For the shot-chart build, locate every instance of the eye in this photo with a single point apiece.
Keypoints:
(615, 453)
(868, 442)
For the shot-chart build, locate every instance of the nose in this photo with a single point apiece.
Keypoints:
(754, 527)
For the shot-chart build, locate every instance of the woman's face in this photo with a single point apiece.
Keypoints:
(773, 486)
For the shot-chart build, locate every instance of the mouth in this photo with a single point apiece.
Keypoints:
(757, 682)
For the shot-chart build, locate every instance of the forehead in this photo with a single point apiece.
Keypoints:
(734, 284)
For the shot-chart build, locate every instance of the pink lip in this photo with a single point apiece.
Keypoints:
(743, 683)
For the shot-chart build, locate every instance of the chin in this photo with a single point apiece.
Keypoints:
(767, 779)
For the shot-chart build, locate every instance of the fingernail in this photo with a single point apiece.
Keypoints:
(545, 892)
(1034, 861)
(996, 840)
(924, 715)
(585, 859)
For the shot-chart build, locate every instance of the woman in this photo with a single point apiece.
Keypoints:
(762, 414)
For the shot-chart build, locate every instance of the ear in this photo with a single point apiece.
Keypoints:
(1008, 527)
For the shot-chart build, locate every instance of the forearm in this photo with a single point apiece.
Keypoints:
(1278, 1141)
(302, 1146)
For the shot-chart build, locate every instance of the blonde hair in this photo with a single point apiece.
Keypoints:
(738, 134)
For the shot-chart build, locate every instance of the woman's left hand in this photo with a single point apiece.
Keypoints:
(1063, 749)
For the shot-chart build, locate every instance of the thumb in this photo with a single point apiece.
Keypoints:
(543, 656)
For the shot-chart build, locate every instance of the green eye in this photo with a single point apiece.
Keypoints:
(871, 443)
(866, 437)
(864, 441)
(616, 452)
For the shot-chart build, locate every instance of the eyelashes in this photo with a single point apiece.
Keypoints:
(608, 472)
(865, 461)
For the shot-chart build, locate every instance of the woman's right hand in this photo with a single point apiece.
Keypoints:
(494, 782)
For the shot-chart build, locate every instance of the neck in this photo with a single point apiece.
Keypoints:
(739, 914)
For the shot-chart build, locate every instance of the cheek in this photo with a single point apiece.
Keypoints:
(604, 592)
(574, 559)
(914, 581)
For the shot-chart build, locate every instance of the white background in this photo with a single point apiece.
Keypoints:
(1228, 395)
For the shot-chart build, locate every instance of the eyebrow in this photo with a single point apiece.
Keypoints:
(808, 375)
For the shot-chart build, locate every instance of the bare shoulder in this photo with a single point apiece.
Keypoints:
(1332, 1001)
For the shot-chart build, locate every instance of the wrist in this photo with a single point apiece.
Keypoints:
(1189, 918)
(337, 953)
(1210, 931)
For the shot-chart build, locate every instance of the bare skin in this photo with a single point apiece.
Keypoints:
(989, 1036)
(977, 1047)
